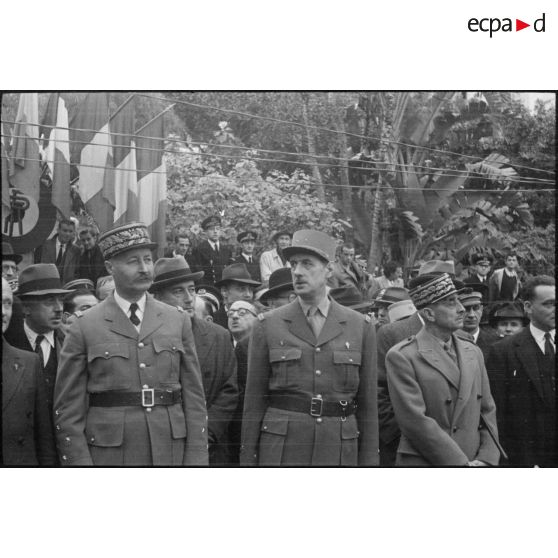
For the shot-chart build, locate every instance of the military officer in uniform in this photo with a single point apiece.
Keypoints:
(129, 388)
(311, 387)
(439, 386)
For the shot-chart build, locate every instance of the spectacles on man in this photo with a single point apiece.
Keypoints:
(240, 311)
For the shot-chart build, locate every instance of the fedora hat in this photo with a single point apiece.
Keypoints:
(281, 279)
(312, 242)
(8, 253)
(123, 238)
(237, 272)
(437, 266)
(509, 310)
(350, 296)
(399, 310)
(40, 280)
(168, 271)
(389, 295)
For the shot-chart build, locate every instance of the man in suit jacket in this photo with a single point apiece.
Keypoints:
(439, 386)
(247, 241)
(480, 271)
(27, 438)
(210, 255)
(174, 285)
(274, 259)
(504, 283)
(91, 261)
(61, 251)
(345, 271)
(311, 387)
(129, 388)
(522, 370)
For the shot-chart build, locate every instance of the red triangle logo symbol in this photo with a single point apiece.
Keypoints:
(519, 25)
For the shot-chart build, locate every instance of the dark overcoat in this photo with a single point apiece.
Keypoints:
(68, 269)
(27, 438)
(103, 352)
(211, 262)
(253, 268)
(526, 413)
(285, 357)
(438, 406)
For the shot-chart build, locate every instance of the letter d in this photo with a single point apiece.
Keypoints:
(535, 25)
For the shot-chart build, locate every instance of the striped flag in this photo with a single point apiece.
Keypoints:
(91, 152)
(56, 148)
(152, 179)
(25, 148)
(122, 126)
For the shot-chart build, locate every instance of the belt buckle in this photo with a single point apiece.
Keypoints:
(313, 402)
(147, 397)
(343, 404)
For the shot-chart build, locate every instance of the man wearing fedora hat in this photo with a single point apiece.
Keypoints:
(439, 386)
(10, 261)
(310, 396)
(247, 241)
(211, 255)
(351, 297)
(174, 284)
(129, 388)
(27, 438)
(280, 290)
(274, 259)
(507, 318)
(236, 284)
(41, 294)
(384, 299)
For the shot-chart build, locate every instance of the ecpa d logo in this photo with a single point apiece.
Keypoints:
(494, 24)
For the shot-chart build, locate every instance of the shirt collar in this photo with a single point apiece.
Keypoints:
(509, 273)
(125, 304)
(539, 334)
(32, 335)
(323, 306)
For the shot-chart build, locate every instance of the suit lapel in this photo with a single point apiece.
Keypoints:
(432, 355)
(466, 357)
(526, 350)
(13, 370)
(119, 322)
(151, 319)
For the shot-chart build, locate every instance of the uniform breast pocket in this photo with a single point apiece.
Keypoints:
(285, 366)
(347, 366)
(168, 352)
(109, 366)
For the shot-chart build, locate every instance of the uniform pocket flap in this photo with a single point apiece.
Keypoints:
(275, 426)
(347, 357)
(177, 421)
(108, 350)
(167, 344)
(106, 430)
(284, 354)
(349, 430)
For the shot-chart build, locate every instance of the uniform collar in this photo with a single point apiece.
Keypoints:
(323, 306)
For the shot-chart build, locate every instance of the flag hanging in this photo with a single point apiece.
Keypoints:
(5, 179)
(122, 126)
(91, 152)
(25, 147)
(56, 148)
(152, 179)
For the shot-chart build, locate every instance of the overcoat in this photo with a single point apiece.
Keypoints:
(285, 357)
(68, 270)
(439, 409)
(526, 414)
(27, 437)
(102, 352)
(211, 262)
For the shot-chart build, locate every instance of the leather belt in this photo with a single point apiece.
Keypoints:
(313, 406)
(144, 398)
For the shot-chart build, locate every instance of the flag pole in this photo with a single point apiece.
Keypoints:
(155, 118)
(122, 106)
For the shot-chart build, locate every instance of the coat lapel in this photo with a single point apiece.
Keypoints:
(432, 355)
(151, 319)
(333, 324)
(13, 370)
(119, 322)
(526, 350)
(298, 324)
(466, 357)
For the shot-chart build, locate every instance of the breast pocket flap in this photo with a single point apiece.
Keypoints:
(108, 350)
(284, 354)
(347, 357)
(167, 344)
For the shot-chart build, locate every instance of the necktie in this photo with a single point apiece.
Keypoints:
(249, 259)
(449, 349)
(314, 321)
(60, 255)
(133, 317)
(548, 348)
(216, 247)
(38, 349)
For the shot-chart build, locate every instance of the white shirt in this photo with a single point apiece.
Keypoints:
(214, 245)
(46, 344)
(476, 335)
(58, 245)
(538, 336)
(125, 306)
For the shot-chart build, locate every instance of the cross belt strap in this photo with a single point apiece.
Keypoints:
(143, 398)
(313, 406)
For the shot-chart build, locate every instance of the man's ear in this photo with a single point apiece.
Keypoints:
(329, 269)
(428, 314)
(108, 266)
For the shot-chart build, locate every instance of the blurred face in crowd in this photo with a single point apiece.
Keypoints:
(9, 270)
(283, 241)
(482, 269)
(181, 294)
(43, 313)
(183, 245)
(383, 315)
(347, 256)
(82, 302)
(234, 291)
(310, 275)
(511, 263)
(248, 247)
(281, 298)
(509, 326)
(447, 314)
(87, 240)
(241, 317)
(472, 316)
(213, 233)
(7, 301)
(200, 309)
(542, 310)
(132, 272)
(396, 274)
(66, 233)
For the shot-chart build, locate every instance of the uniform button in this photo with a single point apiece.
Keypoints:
(350, 360)
(318, 372)
(142, 365)
(265, 427)
(92, 439)
(57, 412)
(106, 353)
(319, 419)
(148, 409)
(67, 438)
(141, 345)
(319, 396)
(64, 458)
(454, 429)
(448, 401)
(145, 386)
(57, 427)
(203, 429)
(318, 349)
(283, 357)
